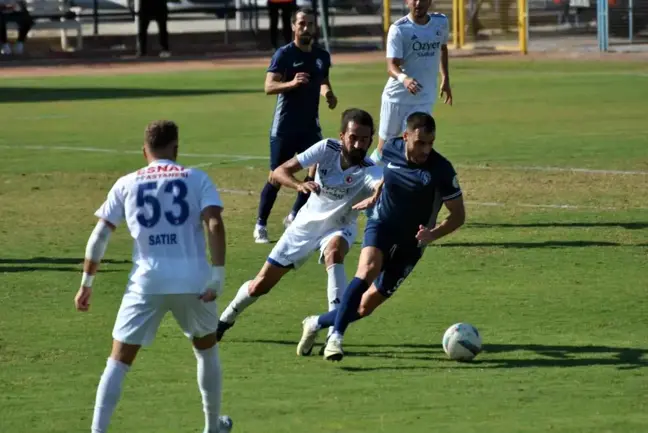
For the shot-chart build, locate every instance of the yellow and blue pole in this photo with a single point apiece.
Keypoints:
(461, 5)
(455, 24)
(386, 20)
(523, 27)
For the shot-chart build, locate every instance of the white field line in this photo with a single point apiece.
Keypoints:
(230, 157)
(553, 169)
(488, 204)
(473, 203)
(132, 152)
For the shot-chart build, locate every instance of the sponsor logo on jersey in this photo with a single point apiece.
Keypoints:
(425, 49)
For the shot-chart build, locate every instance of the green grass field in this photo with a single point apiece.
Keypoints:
(551, 266)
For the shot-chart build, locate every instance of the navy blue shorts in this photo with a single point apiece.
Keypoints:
(399, 256)
(285, 147)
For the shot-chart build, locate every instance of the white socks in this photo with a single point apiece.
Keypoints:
(108, 393)
(209, 383)
(337, 282)
(241, 301)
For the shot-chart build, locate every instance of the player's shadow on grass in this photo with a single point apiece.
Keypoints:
(532, 355)
(52, 94)
(623, 225)
(34, 264)
(531, 245)
(492, 356)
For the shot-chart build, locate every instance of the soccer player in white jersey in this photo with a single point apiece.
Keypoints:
(327, 222)
(165, 207)
(416, 50)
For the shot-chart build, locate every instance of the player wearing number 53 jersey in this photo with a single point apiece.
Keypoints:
(165, 207)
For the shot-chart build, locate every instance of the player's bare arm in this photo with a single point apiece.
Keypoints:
(455, 219)
(95, 250)
(215, 230)
(274, 85)
(285, 175)
(394, 70)
(445, 91)
(370, 201)
(326, 90)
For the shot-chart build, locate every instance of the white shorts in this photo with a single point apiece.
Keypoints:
(393, 117)
(140, 315)
(296, 245)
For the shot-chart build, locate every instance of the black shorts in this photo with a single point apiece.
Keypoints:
(282, 148)
(400, 255)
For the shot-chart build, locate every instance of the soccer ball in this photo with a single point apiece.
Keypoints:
(462, 342)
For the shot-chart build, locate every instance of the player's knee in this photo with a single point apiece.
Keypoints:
(368, 270)
(259, 287)
(333, 256)
(123, 352)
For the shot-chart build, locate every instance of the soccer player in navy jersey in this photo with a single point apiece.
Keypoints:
(298, 74)
(417, 182)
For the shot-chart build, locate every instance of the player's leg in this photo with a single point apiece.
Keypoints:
(293, 248)
(199, 321)
(371, 259)
(273, 13)
(394, 273)
(137, 321)
(249, 293)
(279, 153)
(391, 125)
(334, 248)
(334, 253)
(286, 25)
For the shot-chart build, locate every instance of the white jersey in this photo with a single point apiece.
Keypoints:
(339, 189)
(162, 205)
(419, 47)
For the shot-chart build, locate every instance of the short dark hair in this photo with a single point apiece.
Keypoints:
(160, 133)
(420, 120)
(358, 116)
(305, 11)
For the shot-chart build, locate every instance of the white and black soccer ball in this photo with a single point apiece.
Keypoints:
(462, 342)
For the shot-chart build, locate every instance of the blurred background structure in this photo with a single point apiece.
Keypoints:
(73, 28)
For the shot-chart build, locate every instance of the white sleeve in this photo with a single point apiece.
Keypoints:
(112, 210)
(209, 195)
(394, 44)
(313, 154)
(373, 175)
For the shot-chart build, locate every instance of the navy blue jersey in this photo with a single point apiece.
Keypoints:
(412, 194)
(296, 112)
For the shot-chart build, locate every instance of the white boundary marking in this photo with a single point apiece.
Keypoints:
(229, 157)
(553, 169)
(470, 203)
(488, 204)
